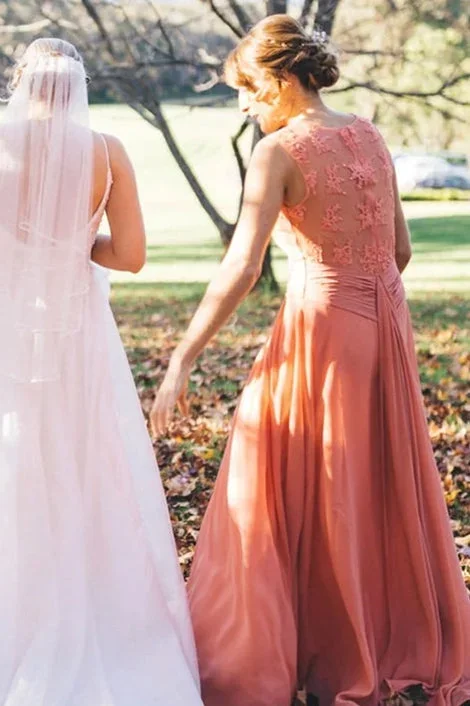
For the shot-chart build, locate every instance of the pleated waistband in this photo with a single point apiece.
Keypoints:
(356, 292)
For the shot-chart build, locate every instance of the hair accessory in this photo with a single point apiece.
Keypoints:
(274, 42)
(319, 36)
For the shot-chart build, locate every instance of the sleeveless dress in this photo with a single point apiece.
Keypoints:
(325, 560)
(93, 610)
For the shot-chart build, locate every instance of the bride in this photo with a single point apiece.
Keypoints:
(92, 604)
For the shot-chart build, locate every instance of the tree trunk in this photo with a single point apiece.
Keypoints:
(276, 7)
(326, 13)
(306, 11)
(158, 120)
(267, 278)
(244, 19)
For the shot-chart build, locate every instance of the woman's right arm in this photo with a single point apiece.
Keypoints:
(402, 233)
(124, 249)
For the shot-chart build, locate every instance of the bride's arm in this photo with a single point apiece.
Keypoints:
(263, 197)
(124, 249)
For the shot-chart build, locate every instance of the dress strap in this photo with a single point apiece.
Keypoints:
(109, 175)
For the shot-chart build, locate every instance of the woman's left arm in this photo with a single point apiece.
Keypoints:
(265, 186)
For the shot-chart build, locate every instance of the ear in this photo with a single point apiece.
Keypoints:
(285, 87)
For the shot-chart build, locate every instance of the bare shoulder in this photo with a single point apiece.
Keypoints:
(270, 154)
(117, 152)
(113, 142)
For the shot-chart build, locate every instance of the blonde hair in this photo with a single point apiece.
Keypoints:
(279, 46)
(45, 46)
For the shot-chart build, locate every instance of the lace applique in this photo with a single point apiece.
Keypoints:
(312, 250)
(386, 163)
(343, 254)
(296, 214)
(297, 148)
(362, 173)
(332, 219)
(311, 179)
(321, 143)
(334, 180)
(379, 211)
(375, 258)
(350, 137)
(371, 130)
(371, 213)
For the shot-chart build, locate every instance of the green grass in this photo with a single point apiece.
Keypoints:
(440, 263)
(441, 254)
(437, 195)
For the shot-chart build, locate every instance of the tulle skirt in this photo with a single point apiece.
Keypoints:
(93, 609)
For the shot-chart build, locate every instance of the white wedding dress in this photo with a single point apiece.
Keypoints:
(93, 608)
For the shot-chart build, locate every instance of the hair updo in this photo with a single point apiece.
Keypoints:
(47, 47)
(279, 46)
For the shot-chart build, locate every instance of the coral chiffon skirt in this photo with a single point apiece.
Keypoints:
(326, 560)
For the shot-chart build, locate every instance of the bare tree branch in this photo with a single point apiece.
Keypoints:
(276, 7)
(370, 52)
(243, 18)
(32, 27)
(306, 10)
(93, 14)
(238, 156)
(153, 113)
(237, 31)
(376, 88)
(326, 14)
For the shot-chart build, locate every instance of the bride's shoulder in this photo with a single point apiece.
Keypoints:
(109, 147)
(105, 142)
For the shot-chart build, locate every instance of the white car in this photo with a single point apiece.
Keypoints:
(427, 171)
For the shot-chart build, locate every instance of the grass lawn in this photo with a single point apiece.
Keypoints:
(153, 308)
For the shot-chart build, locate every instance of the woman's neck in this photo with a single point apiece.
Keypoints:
(308, 105)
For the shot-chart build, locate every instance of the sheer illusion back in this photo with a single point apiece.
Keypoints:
(346, 217)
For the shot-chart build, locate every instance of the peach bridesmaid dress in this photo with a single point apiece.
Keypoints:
(326, 560)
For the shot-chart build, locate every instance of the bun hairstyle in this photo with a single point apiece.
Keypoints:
(279, 46)
(43, 47)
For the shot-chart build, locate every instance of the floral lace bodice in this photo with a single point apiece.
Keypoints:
(347, 215)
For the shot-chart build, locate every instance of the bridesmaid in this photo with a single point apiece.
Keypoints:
(326, 559)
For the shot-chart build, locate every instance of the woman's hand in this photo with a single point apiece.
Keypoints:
(173, 391)
(265, 185)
